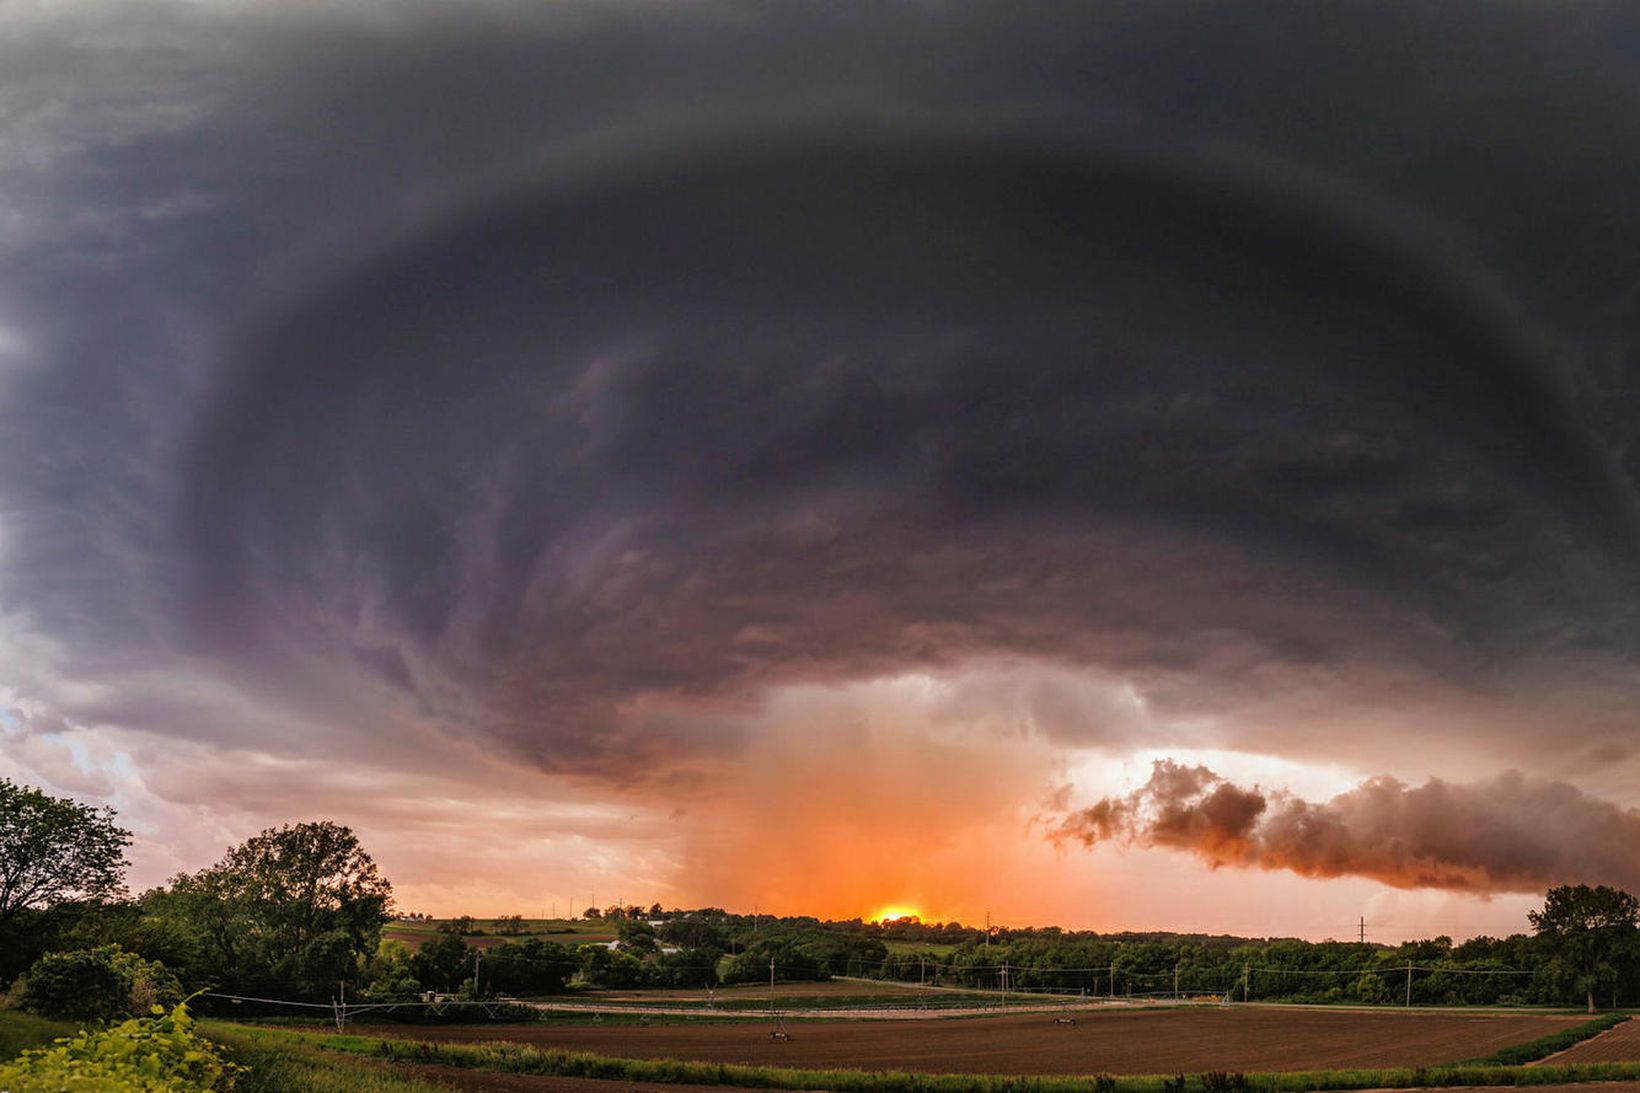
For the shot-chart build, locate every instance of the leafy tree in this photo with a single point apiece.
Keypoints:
(462, 925)
(686, 968)
(442, 962)
(532, 966)
(694, 931)
(295, 909)
(601, 967)
(635, 936)
(391, 973)
(1590, 934)
(53, 849)
(100, 984)
(511, 925)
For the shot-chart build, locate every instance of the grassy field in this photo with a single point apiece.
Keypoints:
(20, 1031)
(565, 931)
(282, 1063)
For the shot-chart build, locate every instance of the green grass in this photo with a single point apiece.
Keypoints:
(20, 1031)
(565, 931)
(284, 1064)
(521, 1059)
(1544, 1046)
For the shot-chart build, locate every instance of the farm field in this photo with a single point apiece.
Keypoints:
(829, 994)
(830, 988)
(1141, 1042)
(1616, 1045)
(570, 932)
(490, 1081)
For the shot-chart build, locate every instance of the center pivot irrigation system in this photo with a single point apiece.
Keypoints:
(983, 988)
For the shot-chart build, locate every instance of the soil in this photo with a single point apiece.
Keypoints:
(480, 1081)
(1620, 1044)
(1142, 1042)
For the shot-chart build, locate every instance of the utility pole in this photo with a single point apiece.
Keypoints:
(1175, 981)
(771, 984)
(1409, 984)
(1363, 930)
(1005, 984)
(1246, 972)
(475, 971)
(987, 929)
(1113, 979)
(341, 1012)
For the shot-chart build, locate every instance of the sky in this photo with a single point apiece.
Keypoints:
(1125, 466)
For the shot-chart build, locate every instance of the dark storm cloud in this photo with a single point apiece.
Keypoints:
(575, 375)
(1508, 834)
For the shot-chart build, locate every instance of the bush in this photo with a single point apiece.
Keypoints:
(158, 1054)
(102, 984)
(532, 966)
(601, 967)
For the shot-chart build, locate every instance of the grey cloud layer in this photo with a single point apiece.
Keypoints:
(575, 376)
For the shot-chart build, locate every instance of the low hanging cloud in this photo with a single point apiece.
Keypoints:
(1511, 833)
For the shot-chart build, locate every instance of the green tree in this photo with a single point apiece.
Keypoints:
(442, 962)
(532, 966)
(1590, 934)
(100, 984)
(294, 910)
(635, 936)
(391, 974)
(53, 849)
(601, 967)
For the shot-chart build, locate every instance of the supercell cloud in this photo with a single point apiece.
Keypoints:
(646, 402)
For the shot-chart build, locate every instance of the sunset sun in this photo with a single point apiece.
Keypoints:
(892, 911)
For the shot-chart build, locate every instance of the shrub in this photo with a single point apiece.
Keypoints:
(158, 1054)
(102, 984)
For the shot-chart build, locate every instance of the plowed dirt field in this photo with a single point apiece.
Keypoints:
(1615, 1045)
(1144, 1042)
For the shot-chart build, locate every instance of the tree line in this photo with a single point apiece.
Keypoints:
(297, 912)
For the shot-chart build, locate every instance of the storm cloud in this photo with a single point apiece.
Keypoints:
(573, 381)
(1507, 834)
(840, 402)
